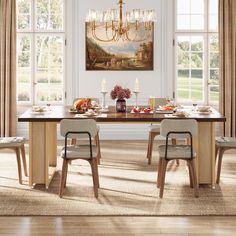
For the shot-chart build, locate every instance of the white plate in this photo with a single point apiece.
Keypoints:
(40, 112)
(204, 112)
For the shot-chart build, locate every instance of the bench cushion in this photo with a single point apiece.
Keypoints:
(9, 142)
(78, 151)
(226, 142)
(176, 151)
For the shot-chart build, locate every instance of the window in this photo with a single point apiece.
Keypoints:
(40, 51)
(197, 52)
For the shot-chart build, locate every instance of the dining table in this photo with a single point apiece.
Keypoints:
(43, 137)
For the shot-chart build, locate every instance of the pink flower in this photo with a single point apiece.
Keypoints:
(120, 93)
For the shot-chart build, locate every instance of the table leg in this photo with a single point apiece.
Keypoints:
(42, 152)
(205, 146)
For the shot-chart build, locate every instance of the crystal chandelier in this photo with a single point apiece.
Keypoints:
(135, 25)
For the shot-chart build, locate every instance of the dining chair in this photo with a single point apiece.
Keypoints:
(17, 145)
(178, 129)
(96, 138)
(154, 130)
(223, 144)
(87, 129)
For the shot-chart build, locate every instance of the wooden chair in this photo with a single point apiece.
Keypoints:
(171, 128)
(17, 145)
(75, 129)
(96, 138)
(223, 144)
(154, 130)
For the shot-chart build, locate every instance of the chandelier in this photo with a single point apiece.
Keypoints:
(135, 25)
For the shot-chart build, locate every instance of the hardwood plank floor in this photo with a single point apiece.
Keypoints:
(118, 225)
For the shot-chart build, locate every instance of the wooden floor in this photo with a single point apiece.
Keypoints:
(125, 226)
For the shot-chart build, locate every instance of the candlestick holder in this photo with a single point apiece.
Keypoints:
(104, 109)
(136, 97)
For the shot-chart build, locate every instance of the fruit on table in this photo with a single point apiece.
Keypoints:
(147, 110)
(141, 110)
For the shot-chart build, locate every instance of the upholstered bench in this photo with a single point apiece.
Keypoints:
(223, 144)
(16, 144)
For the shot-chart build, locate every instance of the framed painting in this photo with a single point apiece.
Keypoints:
(122, 55)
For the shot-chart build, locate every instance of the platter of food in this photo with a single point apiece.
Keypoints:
(142, 110)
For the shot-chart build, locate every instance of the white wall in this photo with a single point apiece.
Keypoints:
(82, 83)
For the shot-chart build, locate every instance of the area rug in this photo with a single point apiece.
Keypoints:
(127, 187)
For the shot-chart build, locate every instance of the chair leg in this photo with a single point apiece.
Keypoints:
(66, 171)
(190, 175)
(152, 136)
(195, 182)
(17, 150)
(24, 160)
(63, 178)
(148, 149)
(159, 173)
(216, 151)
(163, 175)
(93, 164)
(97, 140)
(220, 156)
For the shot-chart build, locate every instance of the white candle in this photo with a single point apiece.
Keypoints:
(136, 86)
(104, 86)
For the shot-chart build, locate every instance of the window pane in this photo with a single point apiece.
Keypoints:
(197, 7)
(213, 22)
(197, 60)
(23, 67)
(183, 84)
(190, 55)
(214, 60)
(197, 22)
(183, 60)
(183, 22)
(213, 7)
(214, 68)
(214, 43)
(197, 85)
(49, 14)
(183, 7)
(197, 44)
(23, 14)
(49, 68)
(214, 94)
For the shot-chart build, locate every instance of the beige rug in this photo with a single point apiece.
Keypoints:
(128, 187)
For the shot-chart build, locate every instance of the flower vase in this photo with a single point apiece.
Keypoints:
(120, 105)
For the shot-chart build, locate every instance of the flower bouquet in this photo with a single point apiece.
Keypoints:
(120, 94)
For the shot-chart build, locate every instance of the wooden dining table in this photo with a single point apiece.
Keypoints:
(43, 138)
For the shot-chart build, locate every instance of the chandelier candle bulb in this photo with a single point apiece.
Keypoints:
(136, 86)
(120, 25)
(104, 86)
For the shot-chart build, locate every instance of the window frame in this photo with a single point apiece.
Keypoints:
(33, 32)
(205, 33)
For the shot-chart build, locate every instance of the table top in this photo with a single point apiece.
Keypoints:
(57, 113)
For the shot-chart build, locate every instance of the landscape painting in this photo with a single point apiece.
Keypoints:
(120, 55)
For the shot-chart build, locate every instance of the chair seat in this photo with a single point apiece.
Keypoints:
(176, 151)
(7, 142)
(154, 128)
(226, 142)
(79, 151)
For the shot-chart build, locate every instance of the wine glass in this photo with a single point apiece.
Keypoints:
(194, 103)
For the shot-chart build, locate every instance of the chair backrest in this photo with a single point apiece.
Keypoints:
(158, 101)
(178, 125)
(85, 125)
